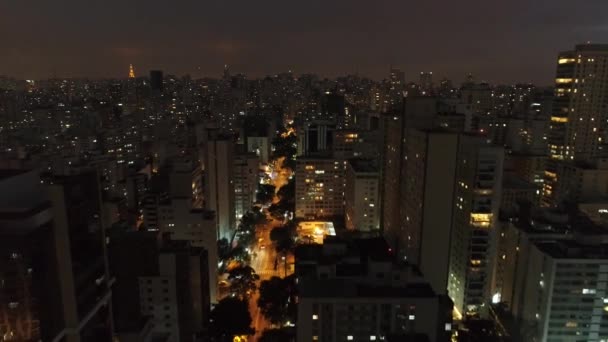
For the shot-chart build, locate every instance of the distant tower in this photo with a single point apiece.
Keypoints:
(226, 72)
(131, 71)
(426, 80)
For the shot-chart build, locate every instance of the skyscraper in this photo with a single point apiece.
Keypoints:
(449, 195)
(219, 182)
(55, 283)
(579, 130)
(131, 71)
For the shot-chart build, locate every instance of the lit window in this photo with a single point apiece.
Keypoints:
(448, 326)
(315, 338)
(315, 317)
(372, 338)
(349, 337)
(566, 60)
(412, 317)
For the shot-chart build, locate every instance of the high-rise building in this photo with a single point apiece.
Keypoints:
(426, 82)
(362, 200)
(126, 267)
(260, 146)
(319, 187)
(355, 291)
(55, 280)
(196, 226)
(176, 298)
(315, 137)
(459, 176)
(477, 97)
(551, 274)
(390, 191)
(578, 126)
(246, 172)
(131, 71)
(348, 144)
(578, 130)
(219, 183)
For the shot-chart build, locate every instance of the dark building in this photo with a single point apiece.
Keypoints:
(54, 281)
(162, 291)
(127, 266)
(156, 81)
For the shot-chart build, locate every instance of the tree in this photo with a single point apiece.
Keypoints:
(277, 210)
(239, 254)
(265, 193)
(274, 295)
(288, 191)
(276, 335)
(229, 318)
(242, 280)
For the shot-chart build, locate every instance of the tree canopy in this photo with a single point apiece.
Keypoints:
(230, 317)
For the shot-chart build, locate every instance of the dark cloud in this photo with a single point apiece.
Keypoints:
(500, 41)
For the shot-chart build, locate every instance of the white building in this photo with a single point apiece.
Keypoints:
(197, 226)
(260, 146)
(563, 293)
(362, 201)
(246, 175)
(319, 187)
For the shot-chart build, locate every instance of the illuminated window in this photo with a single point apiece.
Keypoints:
(315, 317)
(558, 119)
(372, 338)
(566, 60)
(563, 80)
(475, 262)
(571, 324)
(412, 317)
(481, 220)
(349, 337)
(448, 326)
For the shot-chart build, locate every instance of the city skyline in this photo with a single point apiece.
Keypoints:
(498, 43)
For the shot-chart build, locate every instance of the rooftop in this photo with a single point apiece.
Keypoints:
(346, 288)
(572, 249)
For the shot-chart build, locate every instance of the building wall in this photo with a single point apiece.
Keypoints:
(219, 185)
(390, 185)
(473, 237)
(196, 226)
(319, 187)
(158, 299)
(246, 169)
(433, 164)
(260, 146)
(362, 200)
(368, 319)
(562, 298)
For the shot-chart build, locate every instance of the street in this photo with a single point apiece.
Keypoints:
(263, 261)
(263, 252)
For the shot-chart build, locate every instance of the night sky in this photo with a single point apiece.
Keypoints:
(499, 41)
